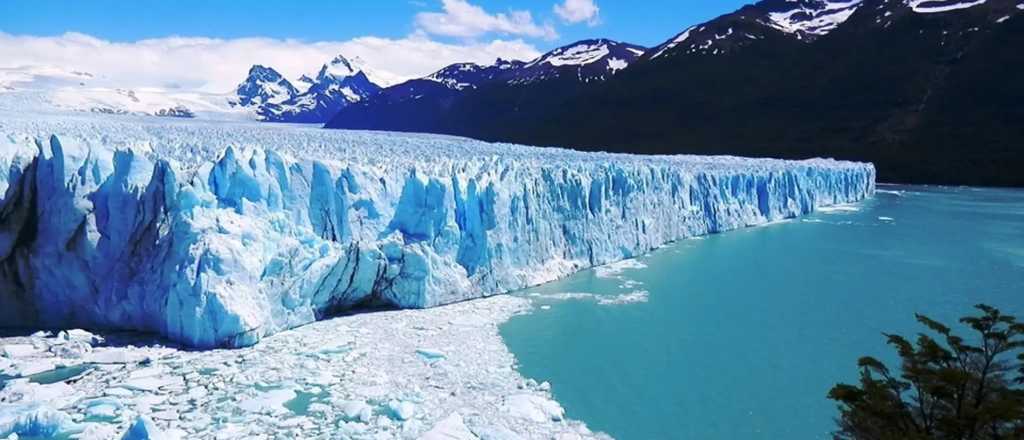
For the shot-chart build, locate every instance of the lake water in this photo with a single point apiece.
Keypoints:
(742, 334)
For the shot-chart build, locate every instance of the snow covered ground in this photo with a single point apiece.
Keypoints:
(440, 373)
(221, 233)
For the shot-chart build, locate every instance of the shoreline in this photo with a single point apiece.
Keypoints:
(400, 374)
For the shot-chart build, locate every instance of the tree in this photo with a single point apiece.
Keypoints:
(947, 390)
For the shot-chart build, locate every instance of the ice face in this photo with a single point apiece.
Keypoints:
(218, 234)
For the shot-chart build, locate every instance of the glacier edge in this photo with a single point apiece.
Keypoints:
(218, 235)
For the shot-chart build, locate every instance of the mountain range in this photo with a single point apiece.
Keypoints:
(338, 84)
(928, 90)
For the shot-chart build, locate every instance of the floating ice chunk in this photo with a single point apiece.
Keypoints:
(469, 321)
(97, 431)
(34, 420)
(269, 402)
(19, 350)
(356, 410)
(25, 391)
(401, 410)
(115, 356)
(449, 428)
(353, 410)
(145, 429)
(73, 349)
(150, 383)
(636, 296)
(431, 355)
(104, 407)
(29, 367)
(321, 379)
(565, 296)
(639, 296)
(78, 334)
(886, 219)
(534, 408)
(118, 392)
(615, 269)
(838, 208)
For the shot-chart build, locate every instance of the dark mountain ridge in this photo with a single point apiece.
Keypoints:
(930, 91)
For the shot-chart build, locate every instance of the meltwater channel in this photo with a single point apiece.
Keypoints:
(741, 335)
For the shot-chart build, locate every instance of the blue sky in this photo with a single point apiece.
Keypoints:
(209, 45)
(646, 22)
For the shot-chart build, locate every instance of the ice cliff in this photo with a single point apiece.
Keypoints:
(217, 234)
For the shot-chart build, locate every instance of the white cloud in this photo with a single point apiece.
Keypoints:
(218, 65)
(465, 20)
(577, 11)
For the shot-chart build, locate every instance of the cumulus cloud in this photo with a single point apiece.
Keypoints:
(217, 65)
(578, 11)
(465, 20)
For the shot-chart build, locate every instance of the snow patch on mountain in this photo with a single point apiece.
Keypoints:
(805, 20)
(816, 17)
(616, 64)
(577, 55)
(587, 60)
(677, 40)
(936, 6)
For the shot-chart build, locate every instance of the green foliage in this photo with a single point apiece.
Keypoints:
(948, 389)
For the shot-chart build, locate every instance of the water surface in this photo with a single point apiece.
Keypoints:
(742, 334)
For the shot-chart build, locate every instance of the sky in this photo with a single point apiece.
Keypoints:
(209, 45)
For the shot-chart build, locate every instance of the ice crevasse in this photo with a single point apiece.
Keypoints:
(218, 234)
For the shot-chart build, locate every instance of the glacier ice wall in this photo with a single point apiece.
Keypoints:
(219, 234)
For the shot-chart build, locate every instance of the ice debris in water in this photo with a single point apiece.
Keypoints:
(219, 234)
(636, 296)
(360, 377)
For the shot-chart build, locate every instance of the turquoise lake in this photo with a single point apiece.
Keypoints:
(740, 335)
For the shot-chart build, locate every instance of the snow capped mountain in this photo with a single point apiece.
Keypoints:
(339, 79)
(470, 75)
(413, 104)
(886, 81)
(804, 20)
(304, 83)
(808, 18)
(264, 85)
(587, 60)
(339, 83)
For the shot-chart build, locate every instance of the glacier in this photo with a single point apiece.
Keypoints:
(217, 234)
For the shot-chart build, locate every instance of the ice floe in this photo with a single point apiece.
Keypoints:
(436, 374)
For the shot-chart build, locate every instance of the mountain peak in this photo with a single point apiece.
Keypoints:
(589, 51)
(264, 85)
(586, 60)
(340, 67)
